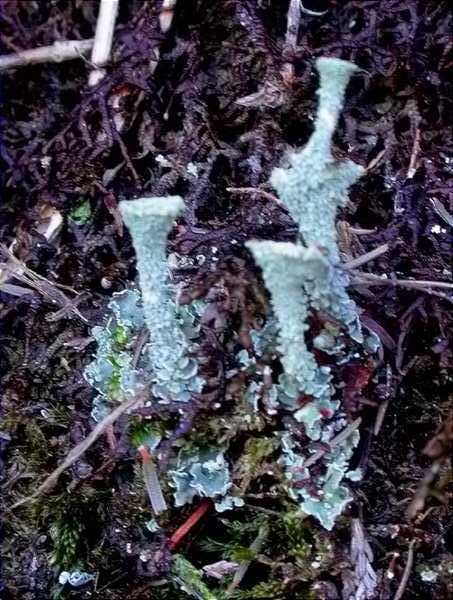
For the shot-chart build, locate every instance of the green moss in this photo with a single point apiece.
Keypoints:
(240, 554)
(264, 590)
(38, 445)
(256, 450)
(299, 544)
(188, 577)
(66, 536)
(144, 432)
(297, 536)
(237, 538)
(120, 339)
(81, 214)
(69, 518)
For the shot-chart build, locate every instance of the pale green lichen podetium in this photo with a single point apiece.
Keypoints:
(315, 185)
(149, 221)
(284, 273)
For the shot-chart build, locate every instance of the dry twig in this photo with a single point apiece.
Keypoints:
(51, 291)
(359, 584)
(361, 260)
(368, 279)
(442, 211)
(255, 547)
(415, 118)
(58, 52)
(79, 450)
(383, 406)
(290, 46)
(406, 572)
(375, 161)
(439, 448)
(343, 435)
(103, 39)
(361, 230)
(252, 190)
(413, 160)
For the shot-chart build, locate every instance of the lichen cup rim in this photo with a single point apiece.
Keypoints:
(152, 206)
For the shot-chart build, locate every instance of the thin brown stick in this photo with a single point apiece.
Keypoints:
(51, 291)
(419, 284)
(252, 190)
(371, 255)
(418, 501)
(361, 230)
(14, 268)
(189, 523)
(406, 572)
(290, 45)
(442, 211)
(414, 155)
(341, 437)
(292, 25)
(383, 406)
(376, 160)
(382, 410)
(79, 450)
(57, 52)
(255, 547)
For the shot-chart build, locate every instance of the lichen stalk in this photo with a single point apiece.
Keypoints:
(174, 372)
(283, 274)
(315, 185)
(149, 221)
(334, 76)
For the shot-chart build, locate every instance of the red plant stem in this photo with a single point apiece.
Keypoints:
(190, 522)
(144, 453)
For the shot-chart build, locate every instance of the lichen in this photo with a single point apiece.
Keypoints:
(75, 578)
(307, 285)
(249, 466)
(149, 221)
(306, 277)
(321, 495)
(111, 372)
(285, 272)
(201, 472)
(315, 186)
